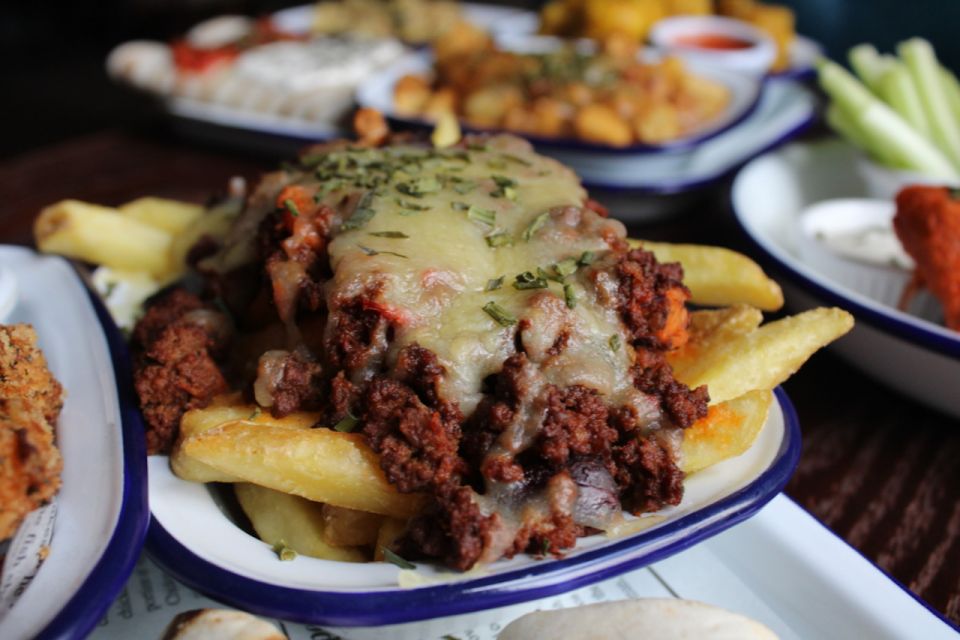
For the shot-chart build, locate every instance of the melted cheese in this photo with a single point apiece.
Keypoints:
(434, 281)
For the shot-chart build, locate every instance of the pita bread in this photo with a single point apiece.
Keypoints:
(220, 624)
(647, 619)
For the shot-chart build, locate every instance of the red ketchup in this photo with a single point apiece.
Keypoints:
(713, 41)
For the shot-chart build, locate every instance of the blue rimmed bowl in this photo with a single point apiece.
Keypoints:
(916, 356)
(377, 93)
(192, 539)
(101, 509)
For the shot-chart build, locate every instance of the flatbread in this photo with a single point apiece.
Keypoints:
(649, 619)
(220, 624)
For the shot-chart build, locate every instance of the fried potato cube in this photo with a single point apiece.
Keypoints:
(280, 518)
(763, 358)
(728, 430)
(410, 95)
(350, 528)
(718, 276)
(599, 123)
(658, 122)
(318, 464)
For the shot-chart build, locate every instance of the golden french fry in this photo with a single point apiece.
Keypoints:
(350, 528)
(293, 521)
(103, 236)
(230, 408)
(718, 276)
(727, 431)
(390, 530)
(318, 464)
(710, 327)
(191, 469)
(763, 358)
(172, 216)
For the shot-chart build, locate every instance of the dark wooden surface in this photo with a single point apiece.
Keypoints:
(880, 470)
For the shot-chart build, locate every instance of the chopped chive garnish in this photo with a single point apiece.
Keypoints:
(535, 226)
(517, 159)
(284, 552)
(510, 194)
(393, 558)
(552, 275)
(459, 206)
(254, 414)
(388, 234)
(503, 181)
(464, 187)
(362, 214)
(568, 296)
(499, 314)
(501, 239)
(587, 257)
(566, 267)
(475, 146)
(484, 216)
(346, 425)
(374, 252)
(496, 163)
(527, 280)
(614, 342)
(291, 206)
(419, 187)
(494, 284)
(406, 204)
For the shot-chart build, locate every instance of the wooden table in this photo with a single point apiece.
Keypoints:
(880, 470)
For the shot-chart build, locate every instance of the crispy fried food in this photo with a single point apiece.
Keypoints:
(928, 225)
(30, 402)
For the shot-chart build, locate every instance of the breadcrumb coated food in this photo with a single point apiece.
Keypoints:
(30, 403)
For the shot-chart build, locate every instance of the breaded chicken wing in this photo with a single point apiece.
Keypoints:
(928, 225)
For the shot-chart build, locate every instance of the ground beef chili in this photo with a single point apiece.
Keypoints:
(538, 427)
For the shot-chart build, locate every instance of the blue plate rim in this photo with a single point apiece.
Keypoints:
(684, 186)
(879, 319)
(374, 608)
(84, 610)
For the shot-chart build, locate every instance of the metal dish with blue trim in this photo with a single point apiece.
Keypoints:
(196, 542)
(102, 510)
(913, 355)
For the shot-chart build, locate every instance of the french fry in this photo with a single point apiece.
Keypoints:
(718, 276)
(728, 430)
(763, 358)
(715, 326)
(390, 530)
(230, 408)
(318, 464)
(192, 470)
(103, 236)
(293, 521)
(172, 216)
(349, 527)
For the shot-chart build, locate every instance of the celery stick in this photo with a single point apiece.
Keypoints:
(869, 65)
(844, 124)
(953, 91)
(925, 71)
(896, 86)
(881, 125)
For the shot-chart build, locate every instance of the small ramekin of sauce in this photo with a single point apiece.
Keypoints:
(714, 40)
